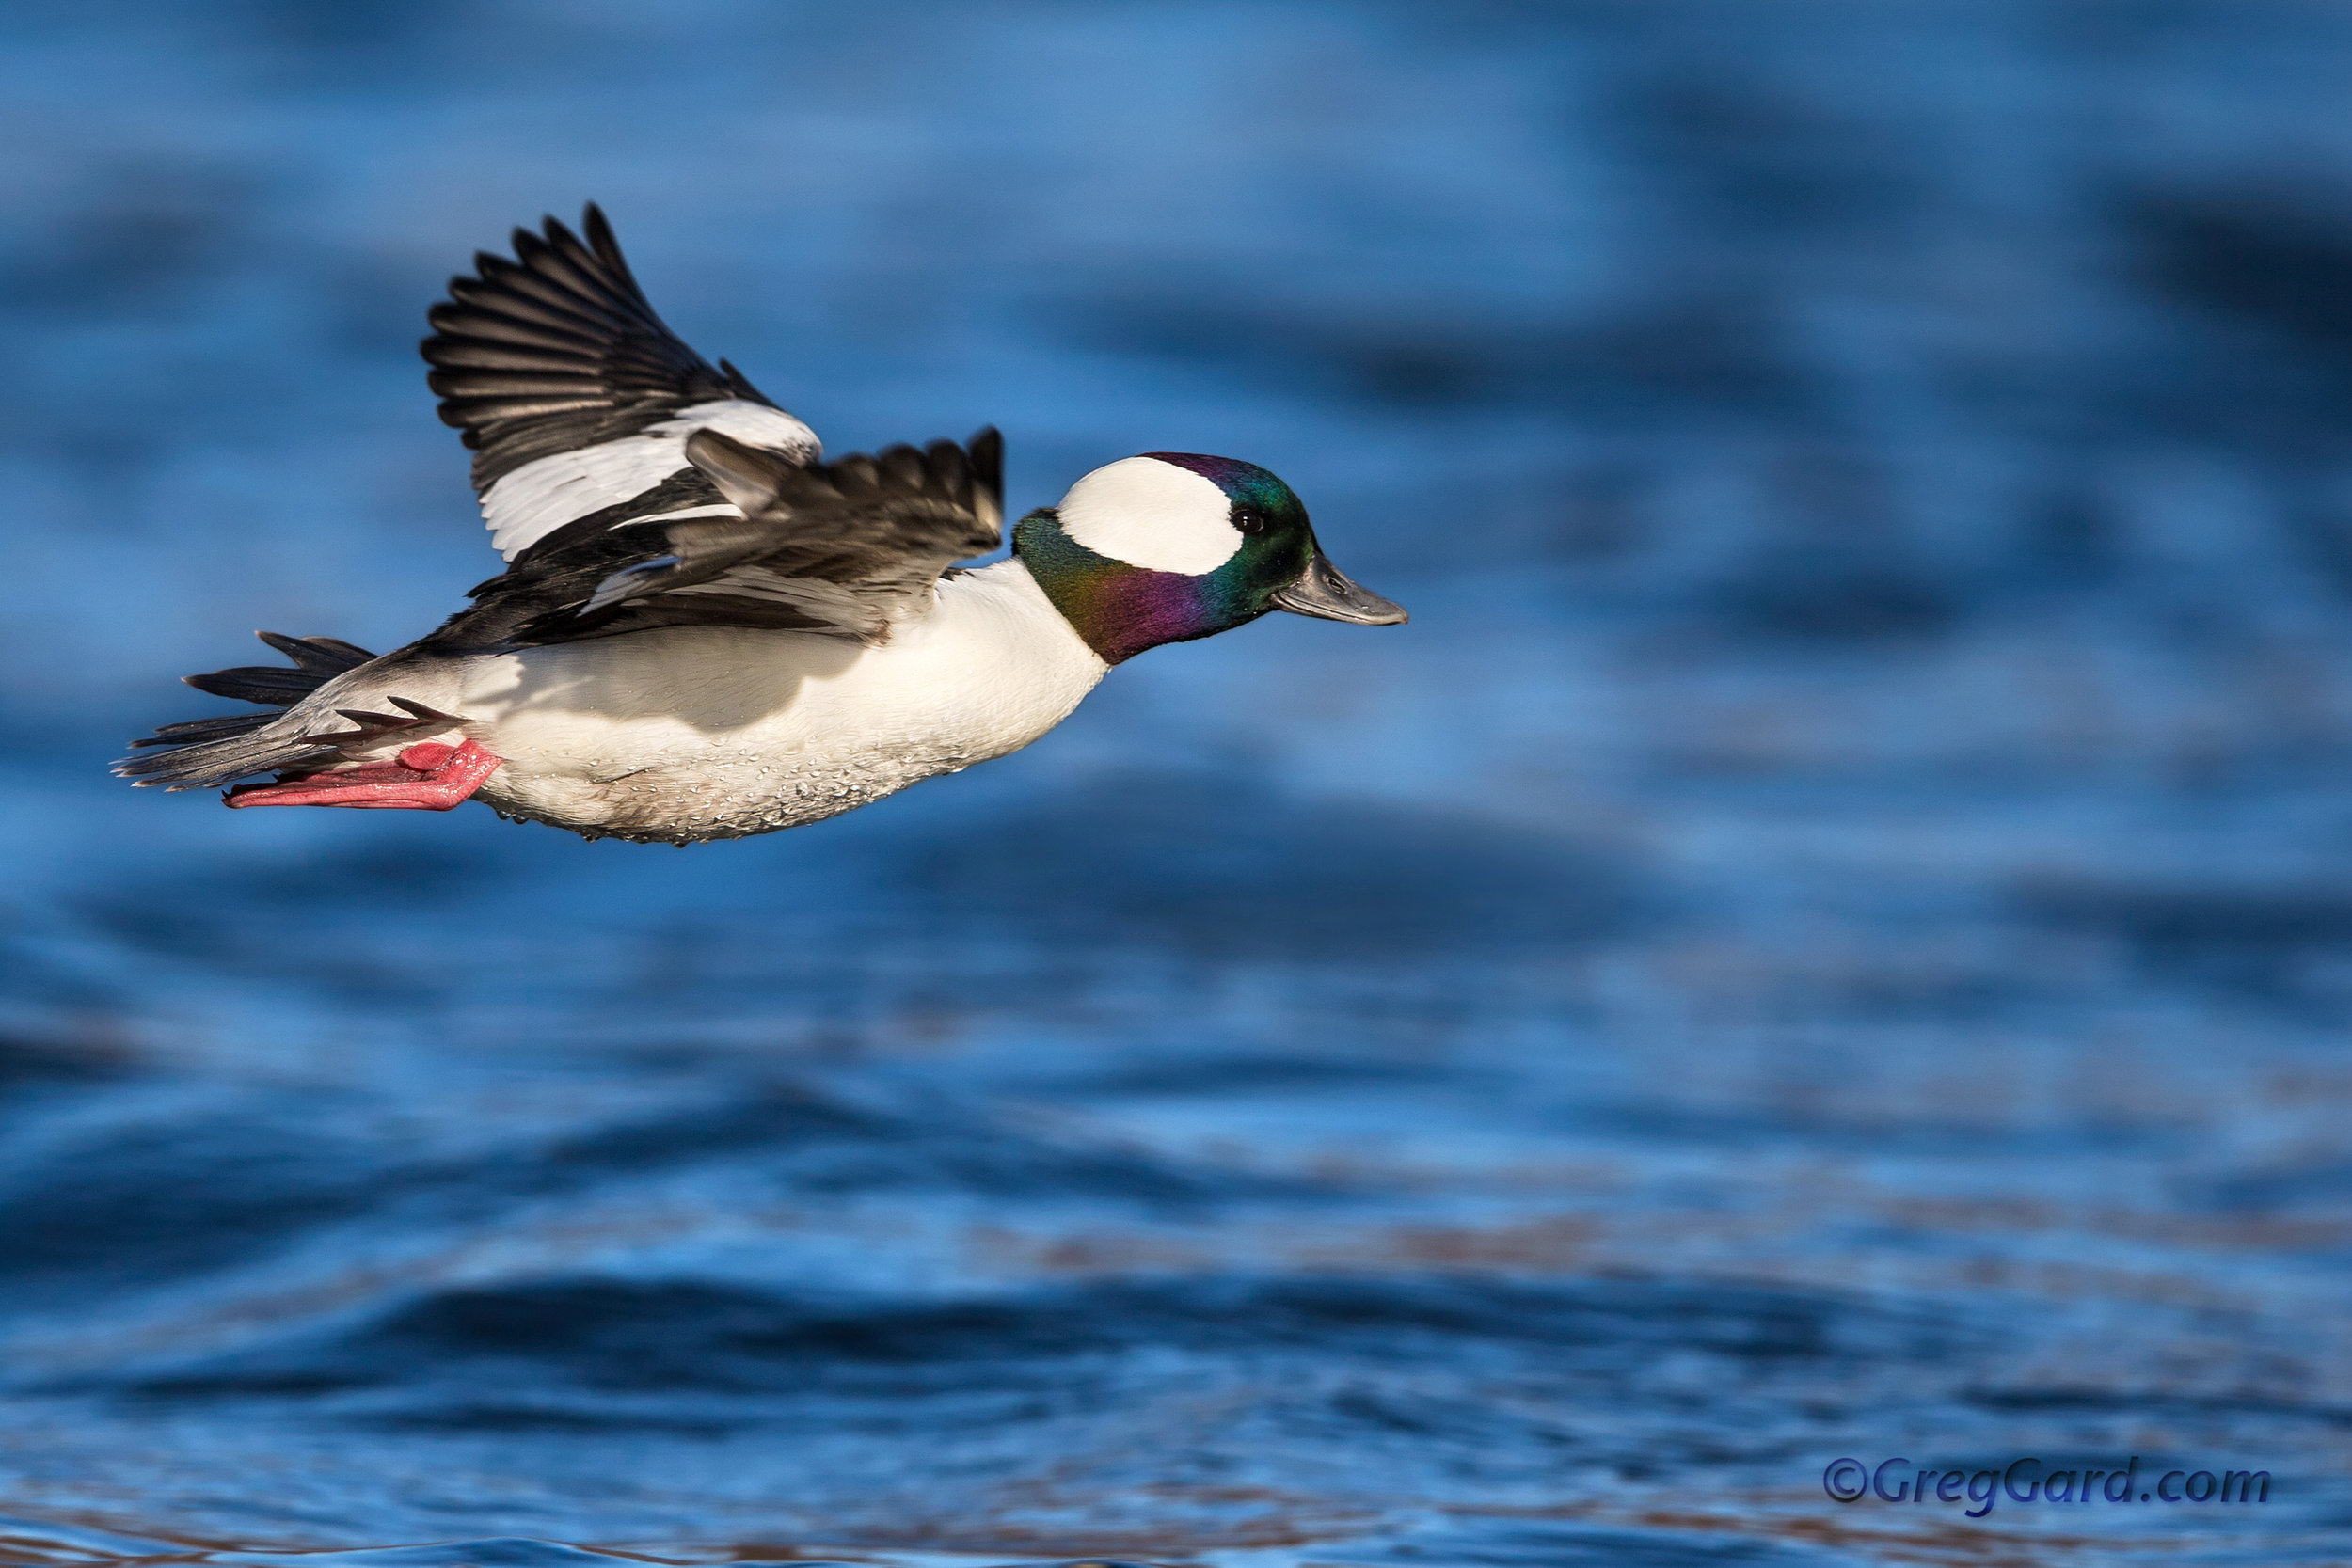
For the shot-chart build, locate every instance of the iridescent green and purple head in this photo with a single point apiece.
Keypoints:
(1172, 545)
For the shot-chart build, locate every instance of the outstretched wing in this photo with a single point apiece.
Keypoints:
(850, 548)
(576, 399)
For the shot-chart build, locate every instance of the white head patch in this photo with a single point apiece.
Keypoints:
(1152, 515)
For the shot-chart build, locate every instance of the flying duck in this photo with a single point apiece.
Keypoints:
(704, 629)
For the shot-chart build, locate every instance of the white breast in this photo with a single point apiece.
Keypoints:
(703, 732)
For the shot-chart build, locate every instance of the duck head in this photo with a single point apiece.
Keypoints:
(1172, 545)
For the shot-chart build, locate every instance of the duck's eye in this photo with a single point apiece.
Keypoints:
(1249, 519)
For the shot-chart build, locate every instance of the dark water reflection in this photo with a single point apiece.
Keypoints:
(1829, 934)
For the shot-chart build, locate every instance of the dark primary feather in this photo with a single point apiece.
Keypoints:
(847, 548)
(558, 350)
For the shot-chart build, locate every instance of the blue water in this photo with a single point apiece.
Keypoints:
(1828, 936)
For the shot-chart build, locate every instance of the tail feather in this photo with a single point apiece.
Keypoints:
(319, 656)
(273, 684)
(194, 730)
(200, 754)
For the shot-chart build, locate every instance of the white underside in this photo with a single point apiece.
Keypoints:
(699, 732)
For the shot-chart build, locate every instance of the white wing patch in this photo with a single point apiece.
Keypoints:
(717, 508)
(1152, 515)
(542, 496)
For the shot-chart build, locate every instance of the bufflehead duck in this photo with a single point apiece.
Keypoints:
(704, 629)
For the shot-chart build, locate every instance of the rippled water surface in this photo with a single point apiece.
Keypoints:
(1828, 935)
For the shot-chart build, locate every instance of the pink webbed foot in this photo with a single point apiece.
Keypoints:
(427, 777)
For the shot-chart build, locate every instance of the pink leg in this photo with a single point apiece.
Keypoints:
(428, 777)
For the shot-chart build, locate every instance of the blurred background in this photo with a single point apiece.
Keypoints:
(1828, 935)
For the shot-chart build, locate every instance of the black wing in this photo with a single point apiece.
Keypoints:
(850, 547)
(575, 397)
